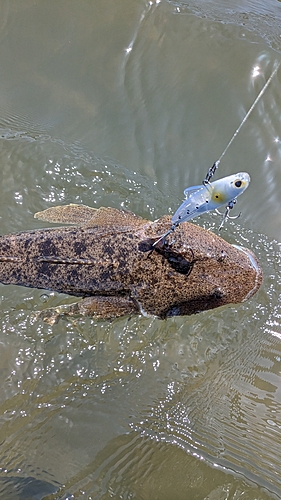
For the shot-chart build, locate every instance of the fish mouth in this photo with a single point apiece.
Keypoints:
(254, 263)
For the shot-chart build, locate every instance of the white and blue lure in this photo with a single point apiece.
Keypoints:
(212, 195)
(209, 196)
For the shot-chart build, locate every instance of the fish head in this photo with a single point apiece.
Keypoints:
(205, 271)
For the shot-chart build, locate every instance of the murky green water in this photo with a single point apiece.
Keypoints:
(125, 103)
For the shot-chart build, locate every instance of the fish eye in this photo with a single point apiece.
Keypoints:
(238, 184)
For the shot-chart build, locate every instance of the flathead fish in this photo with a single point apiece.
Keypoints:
(107, 259)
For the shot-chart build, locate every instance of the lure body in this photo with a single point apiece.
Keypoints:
(210, 196)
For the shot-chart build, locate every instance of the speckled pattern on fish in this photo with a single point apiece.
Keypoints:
(108, 259)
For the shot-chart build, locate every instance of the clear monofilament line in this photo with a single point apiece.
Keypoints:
(214, 167)
(250, 111)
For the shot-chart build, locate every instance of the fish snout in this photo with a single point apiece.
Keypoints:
(256, 276)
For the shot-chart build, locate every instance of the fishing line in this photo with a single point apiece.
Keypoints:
(214, 167)
(212, 170)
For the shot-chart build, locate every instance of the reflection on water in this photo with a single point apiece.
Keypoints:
(125, 107)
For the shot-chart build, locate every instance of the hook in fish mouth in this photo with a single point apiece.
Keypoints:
(254, 263)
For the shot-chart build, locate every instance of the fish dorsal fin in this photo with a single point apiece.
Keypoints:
(81, 214)
(67, 214)
(112, 217)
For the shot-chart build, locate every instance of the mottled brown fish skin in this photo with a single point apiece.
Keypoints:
(195, 271)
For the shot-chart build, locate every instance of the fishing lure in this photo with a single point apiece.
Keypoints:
(209, 196)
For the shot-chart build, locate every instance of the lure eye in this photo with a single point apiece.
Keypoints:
(218, 197)
(238, 184)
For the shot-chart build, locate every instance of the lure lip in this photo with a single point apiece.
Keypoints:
(254, 263)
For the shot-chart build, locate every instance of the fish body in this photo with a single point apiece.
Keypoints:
(210, 196)
(108, 261)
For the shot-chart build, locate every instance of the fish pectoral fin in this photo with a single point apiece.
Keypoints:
(107, 307)
(103, 307)
(67, 214)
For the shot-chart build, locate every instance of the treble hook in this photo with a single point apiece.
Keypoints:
(226, 215)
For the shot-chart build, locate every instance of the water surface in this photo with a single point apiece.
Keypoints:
(125, 103)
